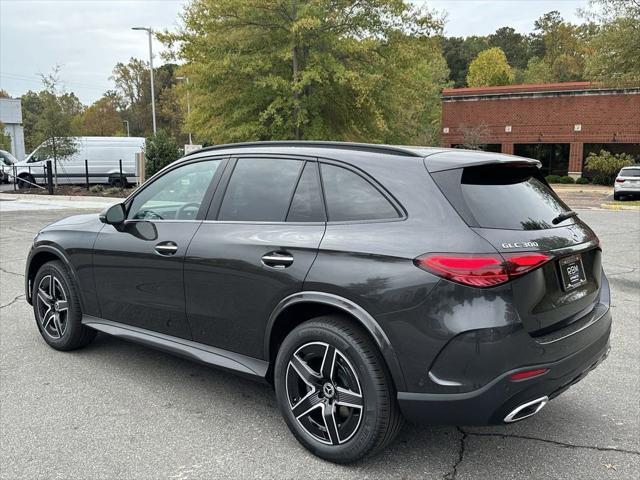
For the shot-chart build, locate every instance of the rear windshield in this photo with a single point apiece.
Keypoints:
(502, 196)
(630, 172)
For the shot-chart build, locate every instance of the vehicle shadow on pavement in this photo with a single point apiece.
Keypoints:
(189, 389)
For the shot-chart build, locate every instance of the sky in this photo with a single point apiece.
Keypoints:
(86, 38)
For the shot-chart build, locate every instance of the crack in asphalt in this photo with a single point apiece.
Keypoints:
(14, 300)
(453, 473)
(553, 442)
(4, 270)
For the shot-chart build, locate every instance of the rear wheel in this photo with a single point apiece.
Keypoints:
(57, 309)
(334, 390)
(616, 196)
(117, 182)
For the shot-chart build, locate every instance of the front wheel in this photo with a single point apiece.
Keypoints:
(56, 308)
(26, 181)
(334, 390)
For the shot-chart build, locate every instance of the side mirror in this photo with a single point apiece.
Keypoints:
(114, 215)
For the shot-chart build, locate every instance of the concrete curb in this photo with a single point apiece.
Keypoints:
(610, 206)
(58, 198)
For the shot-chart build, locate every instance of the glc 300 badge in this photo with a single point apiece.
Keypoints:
(520, 245)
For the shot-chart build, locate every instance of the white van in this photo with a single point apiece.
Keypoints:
(103, 155)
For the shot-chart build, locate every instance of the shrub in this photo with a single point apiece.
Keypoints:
(605, 165)
(553, 178)
(96, 188)
(582, 181)
(160, 150)
(113, 192)
(559, 179)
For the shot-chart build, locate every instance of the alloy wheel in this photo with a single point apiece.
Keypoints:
(324, 393)
(52, 307)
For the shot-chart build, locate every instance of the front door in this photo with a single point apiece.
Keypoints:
(138, 266)
(255, 248)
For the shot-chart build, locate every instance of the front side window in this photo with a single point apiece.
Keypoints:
(260, 190)
(176, 195)
(350, 197)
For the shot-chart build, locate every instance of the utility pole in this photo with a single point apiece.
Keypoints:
(153, 97)
(186, 79)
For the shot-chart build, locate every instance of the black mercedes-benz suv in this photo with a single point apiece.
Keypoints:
(366, 283)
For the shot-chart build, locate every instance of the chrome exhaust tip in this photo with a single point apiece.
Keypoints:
(526, 410)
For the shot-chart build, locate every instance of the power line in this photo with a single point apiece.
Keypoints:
(36, 79)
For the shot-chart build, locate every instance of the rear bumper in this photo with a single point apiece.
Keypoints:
(493, 402)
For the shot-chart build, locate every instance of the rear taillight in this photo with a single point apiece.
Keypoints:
(480, 270)
(619, 180)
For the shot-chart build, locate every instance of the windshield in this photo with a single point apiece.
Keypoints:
(7, 158)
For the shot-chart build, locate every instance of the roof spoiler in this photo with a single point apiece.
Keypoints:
(451, 159)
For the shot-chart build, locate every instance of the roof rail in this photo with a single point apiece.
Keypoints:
(367, 147)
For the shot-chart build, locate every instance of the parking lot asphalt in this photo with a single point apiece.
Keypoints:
(116, 410)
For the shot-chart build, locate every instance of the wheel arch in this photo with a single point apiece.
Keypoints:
(303, 306)
(38, 257)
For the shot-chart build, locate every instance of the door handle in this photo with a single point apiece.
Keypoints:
(277, 259)
(166, 248)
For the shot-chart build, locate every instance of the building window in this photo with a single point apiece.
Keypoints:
(554, 156)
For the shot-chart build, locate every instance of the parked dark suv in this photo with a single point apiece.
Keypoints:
(367, 283)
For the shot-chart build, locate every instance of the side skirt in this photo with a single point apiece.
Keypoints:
(199, 352)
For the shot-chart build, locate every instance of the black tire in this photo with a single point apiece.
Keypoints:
(378, 419)
(69, 323)
(117, 182)
(616, 196)
(26, 181)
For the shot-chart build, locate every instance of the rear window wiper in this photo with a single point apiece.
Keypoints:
(564, 216)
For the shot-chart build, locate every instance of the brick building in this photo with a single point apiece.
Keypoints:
(557, 123)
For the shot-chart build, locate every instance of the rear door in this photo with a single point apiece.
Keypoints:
(512, 207)
(259, 241)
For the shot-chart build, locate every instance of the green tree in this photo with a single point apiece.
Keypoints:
(53, 126)
(615, 59)
(132, 97)
(308, 69)
(538, 71)
(514, 45)
(561, 45)
(605, 165)
(101, 119)
(160, 150)
(459, 52)
(490, 68)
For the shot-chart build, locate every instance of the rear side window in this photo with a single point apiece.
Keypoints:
(260, 190)
(350, 197)
(306, 205)
(502, 196)
(630, 172)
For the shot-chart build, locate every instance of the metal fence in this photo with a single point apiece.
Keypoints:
(42, 177)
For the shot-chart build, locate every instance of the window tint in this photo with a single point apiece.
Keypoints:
(176, 195)
(351, 197)
(307, 201)
(630, 172)
(260, 190)
(499, 196)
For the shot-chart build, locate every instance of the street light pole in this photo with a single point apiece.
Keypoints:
(153, 97)
(186, 79)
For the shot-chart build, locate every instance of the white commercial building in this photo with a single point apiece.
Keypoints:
(11, 118)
